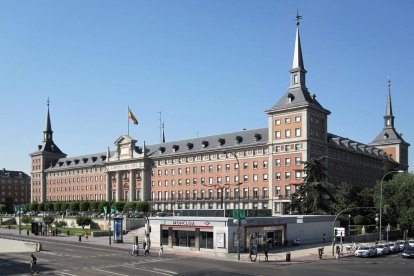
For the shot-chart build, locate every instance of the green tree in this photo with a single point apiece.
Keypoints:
(74, 206)
(119, 205)
(65, 206)
(57, 206)
(26, 219)
(142, 207)
(83, 221)
(34, 207)
(2, 207)
(41, 207)
(48, 206)
(313, 195)
(397, 199)
(101, 206)
(130, 207)
(84, 206)
(94, 206)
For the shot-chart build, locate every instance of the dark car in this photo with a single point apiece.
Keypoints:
(408, 252)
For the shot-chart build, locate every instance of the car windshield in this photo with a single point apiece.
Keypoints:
(363, 248)
(380, 246)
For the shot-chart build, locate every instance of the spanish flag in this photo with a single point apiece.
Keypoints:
(132, 117)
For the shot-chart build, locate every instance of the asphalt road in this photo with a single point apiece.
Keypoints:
(78, 259)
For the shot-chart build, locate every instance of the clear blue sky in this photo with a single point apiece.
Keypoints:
(210, 66)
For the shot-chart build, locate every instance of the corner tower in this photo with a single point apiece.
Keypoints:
(297, 126)
(389, 139)
(46, 154)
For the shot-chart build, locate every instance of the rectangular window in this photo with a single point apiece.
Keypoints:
(287, 148)
(245, 192)
(265, 192)
(227, 167)
(287, 120)
(287, 161)
(218, 179)
(255, 164)
(297, 146)
(218, 168)
(287, 133)
(255, 177)
(278, 176)
(203, 169)
(277, 122)
(265, 164)
(297, 119)
(297, 175)
(265, 177)
(202, 181)
(245, 165)
(287, 190)
(187, 181)
(194, 170)
(187, 170)
(210, 180)
(277, 148)
(297, 132)
(255, 193)
(194, 181)
(277, 134)
(287, 175)
(210, 168)
(277, 162)
(246, 178)
(297, 161)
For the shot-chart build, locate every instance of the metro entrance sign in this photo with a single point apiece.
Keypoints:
(19, 207)
(106, 209)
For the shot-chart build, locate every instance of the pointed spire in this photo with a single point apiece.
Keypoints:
(163, 133)
(297, 56)
(298, 68)
(48, 131)
(389, 117)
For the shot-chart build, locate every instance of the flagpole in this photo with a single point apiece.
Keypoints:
(128, 120)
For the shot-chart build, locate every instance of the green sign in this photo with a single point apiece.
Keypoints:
(19, 207)
(113, 209)
(106, 209)
(239, 214)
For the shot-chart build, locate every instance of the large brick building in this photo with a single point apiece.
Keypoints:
(207, 172)
(14, 188)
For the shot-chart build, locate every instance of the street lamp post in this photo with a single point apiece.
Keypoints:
(238, 204)
(349, 224)
(380, 211)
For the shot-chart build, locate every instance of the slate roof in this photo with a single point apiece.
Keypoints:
(83, 161)
(298, 97)
(351, 145)
(13, 174)
(221, 142)
(387, 136)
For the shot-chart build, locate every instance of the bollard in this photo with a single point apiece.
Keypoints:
(68, 233)
(287, 256)
(80, 238)
(28, 232)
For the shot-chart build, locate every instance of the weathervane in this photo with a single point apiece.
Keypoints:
(298, 17)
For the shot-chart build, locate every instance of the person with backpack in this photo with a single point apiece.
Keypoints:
(33, 265)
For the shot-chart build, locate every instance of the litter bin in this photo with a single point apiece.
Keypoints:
(287, 256)
(80, 238)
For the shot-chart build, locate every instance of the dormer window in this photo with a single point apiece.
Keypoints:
(161, 149)
(190, 146)
(257, 137)
(295, 78)
(204, 144)
(388, 122)
(386, 136)
(290, 98)
(94, 159)
(221, 141)
(175, 148)
(239, 139)
(76, 161)
(68, 162)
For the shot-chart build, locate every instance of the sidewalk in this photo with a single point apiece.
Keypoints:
(298, 254)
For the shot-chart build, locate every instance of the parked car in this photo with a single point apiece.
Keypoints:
(365, 251)
(401, 244)
(383, 249)
(394, 247)
(411, 243)
(408, 252)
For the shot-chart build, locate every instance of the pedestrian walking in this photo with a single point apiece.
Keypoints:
(161, 253)
(338, 252)
(265, 250)
(146, 250)
(134, 249)
(33, 265)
